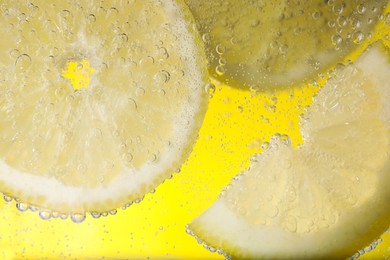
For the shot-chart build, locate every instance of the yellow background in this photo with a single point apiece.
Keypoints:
(235, 126)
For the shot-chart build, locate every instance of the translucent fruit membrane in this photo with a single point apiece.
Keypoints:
(237, 125)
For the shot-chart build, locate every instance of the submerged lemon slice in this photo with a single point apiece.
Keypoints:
(268, 43)
(99, 101)
(326, 199)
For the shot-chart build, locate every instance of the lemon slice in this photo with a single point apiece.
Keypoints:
(330, 197)
(261, 44)
(99, 101)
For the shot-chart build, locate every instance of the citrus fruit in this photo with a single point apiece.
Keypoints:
(329, 197)
(261, 44)
(99, 101)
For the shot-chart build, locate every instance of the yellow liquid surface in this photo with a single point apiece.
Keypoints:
(236, 125)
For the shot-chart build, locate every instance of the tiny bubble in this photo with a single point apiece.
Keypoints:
(77, 217)
(220, 49)
(45, 215)
(220, 70)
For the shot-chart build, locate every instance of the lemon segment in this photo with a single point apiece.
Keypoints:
(326, 199)
(131, 123)
(263, 44)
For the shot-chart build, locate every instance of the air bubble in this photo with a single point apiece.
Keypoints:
(255, 22)
(338, 9)
(63, 216)
(65, 14)
(45, 215)
(358, 37)
(356, 24)
(7, 198)
(147, 61)
(113, 212)
(23, 62)
(95, 214)
(220, 70)
(255, 90)
(220, 49)
(14, 53)
(342, 21)
(331, 24)
(91, 18)
(163, 52)
(336, 39)
(361, 9)
(222, 61)
(77, 217)
(128, 157)
(60, 93)
(283, 49)
(22, 207)
(290, 224)
(206, 38)
(124, 38)
(162, 77)
(285, 139)
(316, 15)
(265, 145)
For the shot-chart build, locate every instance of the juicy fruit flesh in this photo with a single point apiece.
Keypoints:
(328, 198)
(262, 44)
(113, 141)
